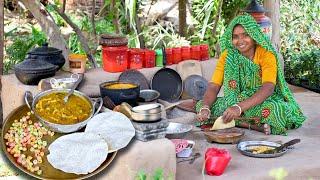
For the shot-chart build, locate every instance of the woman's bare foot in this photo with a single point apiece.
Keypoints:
(266, 129)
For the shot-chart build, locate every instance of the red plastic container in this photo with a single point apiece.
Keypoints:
(169, 56)
(149, 58)
(114, 59)
(136, 58)
(216, 161)
(196, 52)
(204, 48)
(185, 53)
(176, 55)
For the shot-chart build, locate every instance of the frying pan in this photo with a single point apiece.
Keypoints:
(168, 83)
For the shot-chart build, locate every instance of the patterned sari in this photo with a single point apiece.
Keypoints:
(242, 78)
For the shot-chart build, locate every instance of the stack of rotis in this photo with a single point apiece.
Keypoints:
(84, 152)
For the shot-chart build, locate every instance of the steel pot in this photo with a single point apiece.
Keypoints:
(139, 116)
(48, 54)
(62, 128)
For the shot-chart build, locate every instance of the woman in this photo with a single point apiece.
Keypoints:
(253, 83)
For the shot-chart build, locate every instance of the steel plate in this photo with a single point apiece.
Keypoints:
(243, 146)
(48, 171)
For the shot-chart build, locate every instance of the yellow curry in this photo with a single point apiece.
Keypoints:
(120, 86)
(52, 108)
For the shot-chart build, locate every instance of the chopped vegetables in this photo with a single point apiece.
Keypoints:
(24, 142)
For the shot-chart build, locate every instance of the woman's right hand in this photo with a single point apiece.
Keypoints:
(203, 114)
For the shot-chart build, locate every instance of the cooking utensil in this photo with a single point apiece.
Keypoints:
(65, 99)
(243, 148)
(62, 128)
(108, 103)
(177, 130)
(138, 116)
(195, 86)
(282, 147)
(129, 95)
(148, 95)
(148, 108)
(32, 70)
(225, 136)
(168, 83)
(49, 54)
(135, 77)
(64, 83)
(49, 172)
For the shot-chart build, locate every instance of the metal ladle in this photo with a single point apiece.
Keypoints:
(66, 98)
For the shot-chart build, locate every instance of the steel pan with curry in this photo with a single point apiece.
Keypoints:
(48, 171)
(63, 117)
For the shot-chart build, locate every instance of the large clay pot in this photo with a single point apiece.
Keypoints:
(31, 71)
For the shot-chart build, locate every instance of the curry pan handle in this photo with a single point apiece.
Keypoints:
(28, 98)
(95, 102)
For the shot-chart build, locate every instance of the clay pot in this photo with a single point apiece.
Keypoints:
(48, 54)
(32, 70)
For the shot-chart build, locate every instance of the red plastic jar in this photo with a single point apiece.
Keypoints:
(149, 58)
(169, 56)
(136, 58)
(176, 55)
(216, 161)
(196, 52)
(204, 48)
(185, 53)
(114, 59)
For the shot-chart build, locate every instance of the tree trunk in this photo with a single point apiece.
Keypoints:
(49, 27)
(182, 18)
(274, 14)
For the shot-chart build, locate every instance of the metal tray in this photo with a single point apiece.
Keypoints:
(242, 148)
(49, 172)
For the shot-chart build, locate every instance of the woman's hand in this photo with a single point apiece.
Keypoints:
(230, 114)
(203, 114)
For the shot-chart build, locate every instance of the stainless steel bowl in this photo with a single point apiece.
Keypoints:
(62, 128)
(148, 95)
(177, 130)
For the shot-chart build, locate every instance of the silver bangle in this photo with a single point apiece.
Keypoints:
(236, 105)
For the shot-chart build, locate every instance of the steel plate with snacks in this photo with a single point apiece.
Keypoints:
(33, 160)
(257, 149)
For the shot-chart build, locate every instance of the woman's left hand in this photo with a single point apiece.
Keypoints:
(230, 114)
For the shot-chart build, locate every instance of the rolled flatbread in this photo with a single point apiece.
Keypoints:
(219, 124)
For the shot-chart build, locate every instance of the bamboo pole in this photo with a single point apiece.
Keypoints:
(1, 37)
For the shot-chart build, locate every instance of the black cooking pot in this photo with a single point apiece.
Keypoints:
(120, 92)
(31, 71)
(48, 54)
